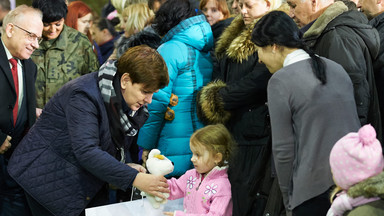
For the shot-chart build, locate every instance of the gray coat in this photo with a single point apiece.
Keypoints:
(307, 118)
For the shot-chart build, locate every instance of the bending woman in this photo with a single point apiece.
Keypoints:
(311, 106)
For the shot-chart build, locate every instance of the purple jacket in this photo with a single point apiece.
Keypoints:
(208, 196)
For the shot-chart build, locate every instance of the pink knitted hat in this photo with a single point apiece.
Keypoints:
(356, 157)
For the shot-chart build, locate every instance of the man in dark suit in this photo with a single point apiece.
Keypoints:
(20, 36)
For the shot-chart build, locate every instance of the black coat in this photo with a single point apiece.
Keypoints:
(8, 98)
(238, 100)
(378, 64)
(348, 40)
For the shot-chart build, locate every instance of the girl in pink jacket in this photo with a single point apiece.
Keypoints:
(206, 189)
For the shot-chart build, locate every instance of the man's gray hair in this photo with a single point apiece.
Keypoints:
(16, 15)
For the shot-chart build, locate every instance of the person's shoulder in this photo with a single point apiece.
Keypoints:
(76, 37)
(375, 208)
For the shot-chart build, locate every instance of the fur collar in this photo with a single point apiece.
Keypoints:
(235, 41)
(329, 14)
(371, 187)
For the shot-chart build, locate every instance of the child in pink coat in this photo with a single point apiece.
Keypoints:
(206, 189)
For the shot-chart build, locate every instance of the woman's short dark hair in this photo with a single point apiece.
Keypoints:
(278, 28)
(53, 10)
(104, 23)
(171, 13)
(145, 66)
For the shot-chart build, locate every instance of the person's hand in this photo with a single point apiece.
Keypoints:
(168, 213)
(144, 156)
(6, 145)
(137, 167)
(38, 112)
(151, 184)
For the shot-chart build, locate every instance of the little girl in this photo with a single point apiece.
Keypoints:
(357, 166)
(206, 189)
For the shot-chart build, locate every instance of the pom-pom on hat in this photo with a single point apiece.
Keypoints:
(356, 157)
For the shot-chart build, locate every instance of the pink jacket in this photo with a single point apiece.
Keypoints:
(210, 196)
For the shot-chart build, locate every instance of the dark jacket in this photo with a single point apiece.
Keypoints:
(345, 37)
(106, 49)
(8, 97)
(371, 187)
(219, 27)
(245, 93)
(26, 116)
(68, 155)
(378, 63)
(239, 101)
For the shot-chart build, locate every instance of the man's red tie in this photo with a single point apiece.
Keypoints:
(16, 82)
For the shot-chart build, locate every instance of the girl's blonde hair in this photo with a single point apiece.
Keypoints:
(216, 139)
(138, 16)
(121, 4)
(334, 192)
(275, 4)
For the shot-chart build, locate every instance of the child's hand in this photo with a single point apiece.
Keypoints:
(168, 213)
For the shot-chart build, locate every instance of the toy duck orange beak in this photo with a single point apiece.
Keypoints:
(161, 157)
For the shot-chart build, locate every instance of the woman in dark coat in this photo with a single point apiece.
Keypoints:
(80, 142)
(239, 99)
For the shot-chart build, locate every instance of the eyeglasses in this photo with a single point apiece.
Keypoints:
(31, 36)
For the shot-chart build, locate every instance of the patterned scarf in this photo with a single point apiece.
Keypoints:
(130, 124)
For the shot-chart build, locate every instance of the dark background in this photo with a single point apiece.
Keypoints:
(96, 5)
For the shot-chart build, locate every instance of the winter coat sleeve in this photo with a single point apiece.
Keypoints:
(283, 146)
(175, 57)
(83, 128)
(177, 187)
(246, 91)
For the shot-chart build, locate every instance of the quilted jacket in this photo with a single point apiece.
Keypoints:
(185, 50)
(68, 155)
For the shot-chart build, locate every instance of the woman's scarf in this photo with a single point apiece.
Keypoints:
(121, 124)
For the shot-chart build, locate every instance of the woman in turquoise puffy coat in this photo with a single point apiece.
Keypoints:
(185, 47)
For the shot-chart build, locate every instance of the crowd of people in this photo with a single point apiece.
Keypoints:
(265, 107)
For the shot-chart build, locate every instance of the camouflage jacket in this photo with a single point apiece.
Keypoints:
(60, 60)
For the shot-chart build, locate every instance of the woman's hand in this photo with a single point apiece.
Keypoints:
(151, 184)
(137, 167)
(38, 112)
(6, 145)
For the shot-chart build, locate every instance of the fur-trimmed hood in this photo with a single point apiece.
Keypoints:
(235, 42)
(338, 15)
(210, 105)
(322, 22)
(371, 187)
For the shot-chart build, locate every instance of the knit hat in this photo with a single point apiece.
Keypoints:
(356, 157)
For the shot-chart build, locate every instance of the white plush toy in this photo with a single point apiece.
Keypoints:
(157, 164)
